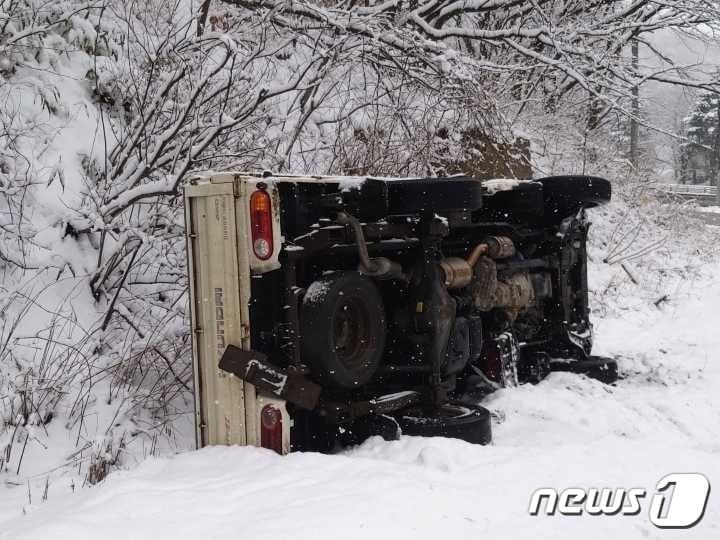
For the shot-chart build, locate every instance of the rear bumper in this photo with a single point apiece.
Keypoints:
(254, 368)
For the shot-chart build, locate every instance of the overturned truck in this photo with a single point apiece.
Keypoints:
(329, 309)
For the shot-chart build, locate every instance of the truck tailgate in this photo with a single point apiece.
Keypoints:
(219, 280)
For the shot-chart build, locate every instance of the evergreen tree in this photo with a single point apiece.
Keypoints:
(701, 154)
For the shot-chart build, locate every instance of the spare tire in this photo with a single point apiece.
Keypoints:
(565, 195)
(470, 423)
(343, 329)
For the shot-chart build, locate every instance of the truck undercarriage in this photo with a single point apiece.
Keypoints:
(401, 303)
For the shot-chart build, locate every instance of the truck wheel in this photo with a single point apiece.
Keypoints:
(343, 329)
(418, 195)
(565, 195)
(470, 423)
(600, 368)
(372, 425)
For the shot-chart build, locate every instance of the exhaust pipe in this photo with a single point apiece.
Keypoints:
(377, 267)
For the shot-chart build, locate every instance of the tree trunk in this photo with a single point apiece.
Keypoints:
(634, 121)
(202, 17)
(715, 159)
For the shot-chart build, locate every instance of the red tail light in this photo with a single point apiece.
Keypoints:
(271, 428)
(261, 224)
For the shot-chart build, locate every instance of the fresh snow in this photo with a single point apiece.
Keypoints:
(568, 431)
(500, 184)
(317, 291)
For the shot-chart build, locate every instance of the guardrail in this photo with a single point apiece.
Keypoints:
(688, 189)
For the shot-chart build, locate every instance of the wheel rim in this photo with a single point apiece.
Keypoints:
(350, 332)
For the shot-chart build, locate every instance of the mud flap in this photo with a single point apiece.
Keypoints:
(253, 367)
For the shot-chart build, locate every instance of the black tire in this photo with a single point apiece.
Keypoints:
(522, 203)
(600, 368)
(368, 426)
(470, 423)
(343, 330)
(565, 195)
(418, 195)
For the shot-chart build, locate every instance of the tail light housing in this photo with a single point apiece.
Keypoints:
(271, 428)
(261, 224)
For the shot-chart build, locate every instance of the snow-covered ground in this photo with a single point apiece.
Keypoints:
(569, 431)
